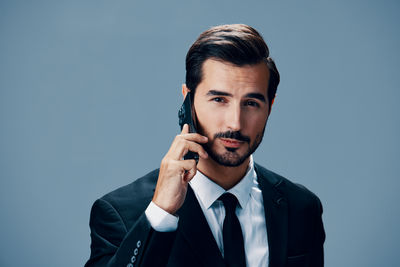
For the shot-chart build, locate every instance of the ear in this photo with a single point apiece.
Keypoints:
(273, 100)
(185, 90)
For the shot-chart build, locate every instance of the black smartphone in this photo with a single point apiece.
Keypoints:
(185, 115)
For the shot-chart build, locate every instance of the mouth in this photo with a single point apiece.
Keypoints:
(232, 143)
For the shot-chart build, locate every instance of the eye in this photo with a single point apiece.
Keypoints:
(251, 103)
(218, 99)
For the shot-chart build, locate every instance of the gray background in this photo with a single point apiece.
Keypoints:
(89, 98)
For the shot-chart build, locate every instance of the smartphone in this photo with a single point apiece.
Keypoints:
(185, 116)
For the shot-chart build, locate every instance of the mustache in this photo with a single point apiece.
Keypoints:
(233, 135)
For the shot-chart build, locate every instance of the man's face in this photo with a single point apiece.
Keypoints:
(232, 109)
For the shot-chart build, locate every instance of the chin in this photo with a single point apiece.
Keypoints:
(228, 158)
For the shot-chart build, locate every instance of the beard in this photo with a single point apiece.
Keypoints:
(231, 158)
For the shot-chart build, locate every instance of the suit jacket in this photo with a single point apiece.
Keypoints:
(122, 236)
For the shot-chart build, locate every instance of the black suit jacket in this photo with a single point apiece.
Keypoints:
(121, 234)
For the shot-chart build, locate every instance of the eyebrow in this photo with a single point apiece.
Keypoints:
(215, 92)
(257, 96)
(250, 95)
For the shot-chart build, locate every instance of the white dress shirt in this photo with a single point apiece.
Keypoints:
(250, 213)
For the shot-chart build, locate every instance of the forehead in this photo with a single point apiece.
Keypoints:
(237, 80)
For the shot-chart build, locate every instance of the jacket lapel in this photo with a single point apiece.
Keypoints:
(195, 229)
(276, 216)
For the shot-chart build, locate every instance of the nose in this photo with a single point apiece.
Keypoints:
(234, 118)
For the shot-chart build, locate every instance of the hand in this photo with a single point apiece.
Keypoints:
(175, 173)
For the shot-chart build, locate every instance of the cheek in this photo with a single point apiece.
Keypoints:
(256, 124)
(209, 119)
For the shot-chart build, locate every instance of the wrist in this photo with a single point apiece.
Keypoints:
(160, 220)
(163, 204)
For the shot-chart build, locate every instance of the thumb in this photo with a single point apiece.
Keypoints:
(189, 174)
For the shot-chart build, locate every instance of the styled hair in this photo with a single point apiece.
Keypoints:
(238, 44)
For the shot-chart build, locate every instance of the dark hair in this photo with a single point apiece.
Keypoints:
(238, 44)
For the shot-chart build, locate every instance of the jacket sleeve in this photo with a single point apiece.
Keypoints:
(112, 244)
(317, 253)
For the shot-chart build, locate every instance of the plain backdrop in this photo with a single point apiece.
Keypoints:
(89, 94)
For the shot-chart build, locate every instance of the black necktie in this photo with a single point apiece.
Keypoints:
(232, 233)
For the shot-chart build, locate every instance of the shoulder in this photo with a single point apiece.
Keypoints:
(296, 194)
(130, 201)
(138, 188)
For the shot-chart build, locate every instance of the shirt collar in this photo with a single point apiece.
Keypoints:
(208, 191)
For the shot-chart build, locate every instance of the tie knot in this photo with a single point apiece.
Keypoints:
(229, 200)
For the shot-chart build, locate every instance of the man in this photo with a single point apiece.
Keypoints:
(224, 210)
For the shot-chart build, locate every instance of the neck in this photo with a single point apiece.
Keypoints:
(226, 177)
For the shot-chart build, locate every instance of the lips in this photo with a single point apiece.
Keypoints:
(231, 142)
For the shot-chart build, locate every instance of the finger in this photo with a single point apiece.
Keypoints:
(181, 145)
(189, 175)
(195, 137)
(187, 165)
(194, 147)
(192, 136)
(190, 169)
(184, 147)
(185, 129)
